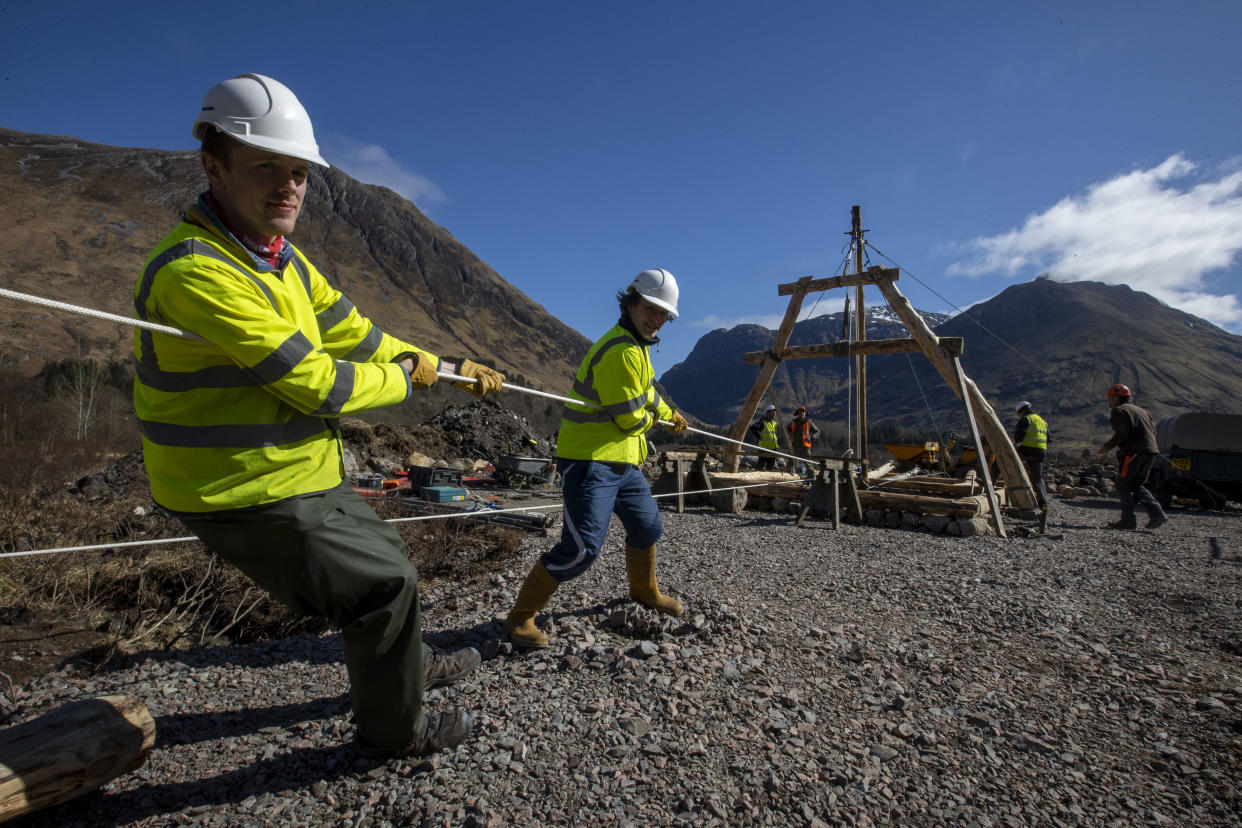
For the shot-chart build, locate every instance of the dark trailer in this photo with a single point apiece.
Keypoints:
(1205, 451)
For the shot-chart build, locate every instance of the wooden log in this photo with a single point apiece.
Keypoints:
(71, 751)
(975, 506)
(943, 487)
(879, 471)
(746, 478)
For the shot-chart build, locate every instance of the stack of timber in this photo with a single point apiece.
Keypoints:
(925, 496)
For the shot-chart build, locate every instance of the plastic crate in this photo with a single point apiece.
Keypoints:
(421, 476)
(443, 494)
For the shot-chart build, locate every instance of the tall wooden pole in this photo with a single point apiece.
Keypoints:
(860, 316)
(984, 471)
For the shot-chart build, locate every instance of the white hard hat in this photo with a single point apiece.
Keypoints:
(260, 112)
(1023, 406)
(659, 287)
(769, 409)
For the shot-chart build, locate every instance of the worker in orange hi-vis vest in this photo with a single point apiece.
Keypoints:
(802, 432)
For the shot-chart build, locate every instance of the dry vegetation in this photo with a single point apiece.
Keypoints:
(62, 487)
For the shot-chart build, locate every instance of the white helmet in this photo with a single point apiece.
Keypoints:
(1023, 406)
(658, 287)
(260, 112)
(769, 409)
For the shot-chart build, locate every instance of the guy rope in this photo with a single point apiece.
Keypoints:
(172, 331)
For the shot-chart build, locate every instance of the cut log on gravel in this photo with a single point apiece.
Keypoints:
(71, 751)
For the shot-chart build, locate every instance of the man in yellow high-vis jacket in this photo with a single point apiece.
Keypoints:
(600, 452)
(239, 426)
(764, 432)
(1030, 435)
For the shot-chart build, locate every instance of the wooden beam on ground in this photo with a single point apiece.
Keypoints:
(951, 344)
(70, 751)
(867, 277)
(969, 506)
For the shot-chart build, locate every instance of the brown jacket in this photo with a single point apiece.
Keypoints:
(1133, 432)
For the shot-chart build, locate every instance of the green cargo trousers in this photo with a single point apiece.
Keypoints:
(328, 554)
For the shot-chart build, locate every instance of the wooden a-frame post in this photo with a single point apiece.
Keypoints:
(768, 368)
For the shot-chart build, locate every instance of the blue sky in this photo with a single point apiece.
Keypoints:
(572, 144)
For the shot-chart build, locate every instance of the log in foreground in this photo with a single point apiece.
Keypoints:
(71, 751)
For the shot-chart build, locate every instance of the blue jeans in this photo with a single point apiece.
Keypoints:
(593, 491)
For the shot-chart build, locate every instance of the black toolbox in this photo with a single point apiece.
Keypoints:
(421, 476)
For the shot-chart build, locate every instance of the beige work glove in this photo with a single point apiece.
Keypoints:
(488, 381)
(678, 423)
(422, 372)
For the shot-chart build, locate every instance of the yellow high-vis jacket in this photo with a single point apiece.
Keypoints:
(767, 434)
(1034, 432)
(249, 415)
(615, 374)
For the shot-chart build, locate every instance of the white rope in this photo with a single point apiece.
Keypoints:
(138, 323)
(97, 314)
(751, 447)
(478, 513)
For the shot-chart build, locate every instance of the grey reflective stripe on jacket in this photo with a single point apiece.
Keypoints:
(342, 390)
(334, 315)
(366, 349)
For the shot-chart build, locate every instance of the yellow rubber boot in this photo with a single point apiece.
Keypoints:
(640, 567)
(531, 598)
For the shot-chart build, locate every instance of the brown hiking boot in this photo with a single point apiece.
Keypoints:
(444, 730)
(1157, 521)
(443, 667)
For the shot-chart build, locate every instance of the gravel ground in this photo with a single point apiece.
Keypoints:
(859, 677)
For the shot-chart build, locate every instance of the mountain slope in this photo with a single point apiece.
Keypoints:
(81, 218)
(1060, 345)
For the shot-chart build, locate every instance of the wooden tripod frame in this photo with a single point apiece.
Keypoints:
(944, 353)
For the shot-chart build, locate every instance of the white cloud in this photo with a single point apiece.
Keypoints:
(712, 321)
(771, 321)
(372, 164)
(1160, 230)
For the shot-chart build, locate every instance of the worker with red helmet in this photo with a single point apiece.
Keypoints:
(1134, 437)
(802, 431)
